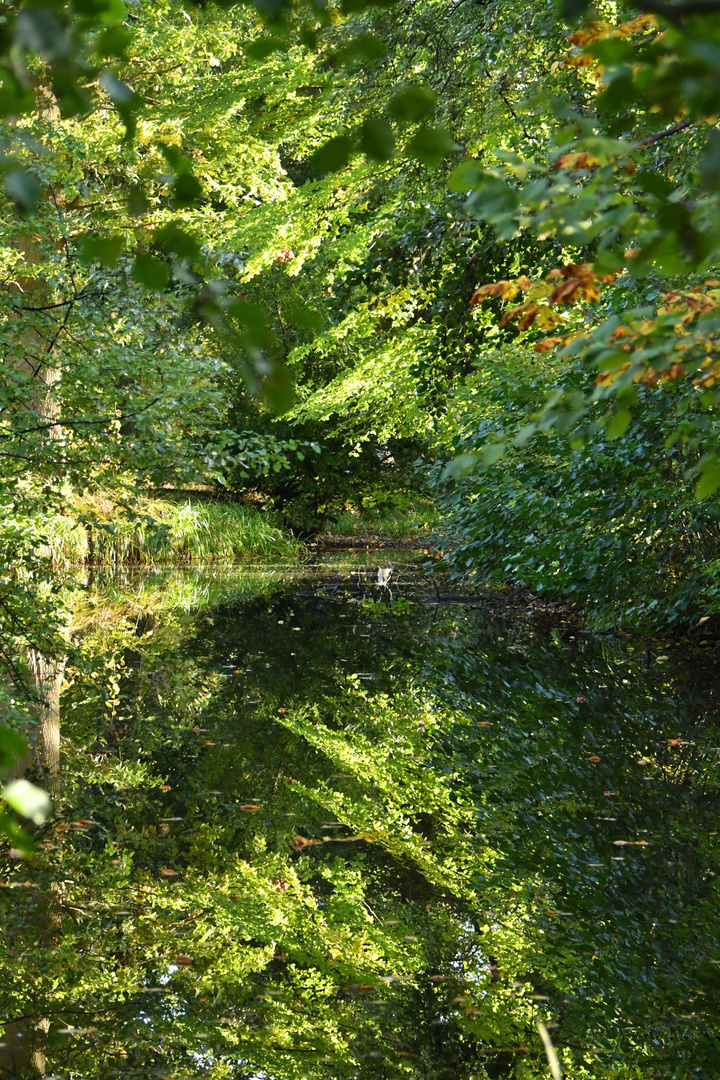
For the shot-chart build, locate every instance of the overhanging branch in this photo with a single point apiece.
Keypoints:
(676, 13)
(657, 136)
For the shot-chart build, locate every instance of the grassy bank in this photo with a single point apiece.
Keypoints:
(159, 531)
(402, 519)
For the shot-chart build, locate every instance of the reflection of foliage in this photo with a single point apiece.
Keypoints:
(305, 837)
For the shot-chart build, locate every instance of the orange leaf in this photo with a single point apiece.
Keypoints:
(590, 291)
(527, 319)
(504, 289)
(581, 60)
(524, 312)
(566, 292)
(592, 31)
(582, 160)
(547, 344)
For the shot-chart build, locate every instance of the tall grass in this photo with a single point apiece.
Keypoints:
(408, 521)
(162, 532)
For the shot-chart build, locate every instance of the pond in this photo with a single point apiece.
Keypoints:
(334, 822)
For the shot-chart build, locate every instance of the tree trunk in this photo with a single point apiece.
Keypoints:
(47, 678)
(22, 1047)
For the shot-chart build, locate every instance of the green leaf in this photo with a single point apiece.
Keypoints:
(176, 159)
(137, 203)
(491, 453)
(459, 466)
(104, 250)
(72, 98)
(573, 9)
(264, 47)
(151, 272)
(271, 7)
(254, 322)
(304, 316)
(710, 165)
(465, 176)
(175, 240)
(709, 481)
(278, 390)
(11, 746)
(114, 42)
(377, 139)
(431, 145)
(119, 92)
(366, 47)
(350, 7)
(332, 155)
(23, 188)
(412, 103)
(30, 801)
(186, 190)
(618, 424)
(39, 30)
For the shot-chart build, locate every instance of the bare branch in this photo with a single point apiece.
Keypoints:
(656, 137)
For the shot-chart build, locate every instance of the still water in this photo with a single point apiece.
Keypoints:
(336, 823)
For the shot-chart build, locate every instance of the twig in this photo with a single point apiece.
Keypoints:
(528, 136)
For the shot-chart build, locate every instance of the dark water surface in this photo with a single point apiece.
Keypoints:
(313, 826)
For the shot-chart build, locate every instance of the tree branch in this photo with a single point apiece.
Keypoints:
(675, 13)
(650, 140)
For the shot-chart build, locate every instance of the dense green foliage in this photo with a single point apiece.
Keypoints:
(324, 265)
(216, 200)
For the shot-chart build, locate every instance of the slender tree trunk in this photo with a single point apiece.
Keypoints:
(22, 1047)
(47, 677)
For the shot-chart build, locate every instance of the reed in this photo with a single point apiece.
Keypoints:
(162, 532)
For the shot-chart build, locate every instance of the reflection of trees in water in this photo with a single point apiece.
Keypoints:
(196, 932)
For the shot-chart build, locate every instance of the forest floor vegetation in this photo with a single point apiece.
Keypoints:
(162, 531)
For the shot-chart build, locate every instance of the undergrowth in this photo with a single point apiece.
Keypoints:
(404, 519)
(158, 531)
(613, 527)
